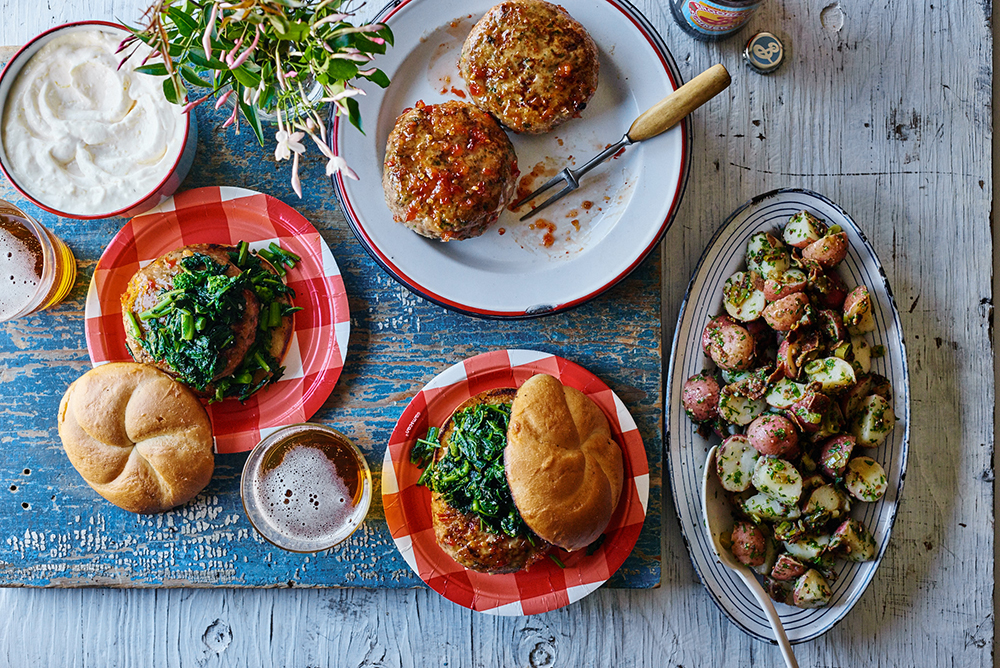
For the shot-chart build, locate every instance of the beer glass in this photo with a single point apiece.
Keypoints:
(306, 487)
(37, 269)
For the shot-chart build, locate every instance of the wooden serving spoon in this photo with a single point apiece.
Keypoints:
(659, 118)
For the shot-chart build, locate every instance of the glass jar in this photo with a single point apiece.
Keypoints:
(710, 20)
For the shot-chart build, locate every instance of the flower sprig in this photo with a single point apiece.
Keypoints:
(285, 58)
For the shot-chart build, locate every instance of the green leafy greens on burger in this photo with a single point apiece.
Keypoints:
(193, 322)
(470, 475)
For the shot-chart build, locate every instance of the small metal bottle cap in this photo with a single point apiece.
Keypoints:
(764, 53)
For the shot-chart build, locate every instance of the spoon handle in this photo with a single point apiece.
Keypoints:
(772, 616)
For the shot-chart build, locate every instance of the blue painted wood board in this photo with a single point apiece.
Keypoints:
(57, 532)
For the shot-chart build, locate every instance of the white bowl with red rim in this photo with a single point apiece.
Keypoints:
(180, 162)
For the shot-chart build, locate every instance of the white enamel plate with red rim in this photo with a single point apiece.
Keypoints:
(545, 586)
(227, 215)
(598, 233)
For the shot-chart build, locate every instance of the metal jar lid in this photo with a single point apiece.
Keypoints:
(764, 53)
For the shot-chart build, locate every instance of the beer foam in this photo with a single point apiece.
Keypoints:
(18, 280)
(304, 498)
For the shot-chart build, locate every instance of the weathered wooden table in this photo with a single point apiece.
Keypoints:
(885, 109)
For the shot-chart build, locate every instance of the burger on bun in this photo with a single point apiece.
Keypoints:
(514, 472)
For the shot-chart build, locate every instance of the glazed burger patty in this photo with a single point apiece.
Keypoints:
(530, 64)
(460, 534)
(148, 283)
(449, 170)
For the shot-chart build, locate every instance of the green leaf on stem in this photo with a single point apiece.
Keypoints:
(268, 98)
(156, 70)
(280, 24)
(185, 24)
(192, 77)
(246, 77)
(198, 58)
(355, 114)
(379, 78)
(253, 121)
(173, 90)
(365, 43)
(295, 32)
(339, 69)
(386, 34)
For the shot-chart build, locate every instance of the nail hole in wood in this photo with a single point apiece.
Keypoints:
(25, 505)
(27, 471)
(13, 488)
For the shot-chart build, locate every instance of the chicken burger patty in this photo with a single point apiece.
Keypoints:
(151, 287)
(449, 170)
(464, 536)
(530, 64)
(149, 283)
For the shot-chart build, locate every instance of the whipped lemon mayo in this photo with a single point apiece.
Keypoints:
(83, 136)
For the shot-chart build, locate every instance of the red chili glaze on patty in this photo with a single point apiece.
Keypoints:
(449, 170)
(530, 64)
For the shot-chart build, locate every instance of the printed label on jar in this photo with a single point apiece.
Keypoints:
(712, 19)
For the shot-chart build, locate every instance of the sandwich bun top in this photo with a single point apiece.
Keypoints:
(564, 470)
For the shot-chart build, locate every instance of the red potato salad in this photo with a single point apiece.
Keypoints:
(794, 398)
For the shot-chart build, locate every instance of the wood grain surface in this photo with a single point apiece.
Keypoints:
(883, 107)
(61, 533)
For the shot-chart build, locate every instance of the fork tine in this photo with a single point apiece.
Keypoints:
(552, 200)
(561, 176)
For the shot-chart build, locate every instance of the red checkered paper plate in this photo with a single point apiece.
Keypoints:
(545, 586)
(227, 215)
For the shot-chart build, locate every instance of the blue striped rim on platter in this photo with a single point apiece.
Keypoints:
(686, 449)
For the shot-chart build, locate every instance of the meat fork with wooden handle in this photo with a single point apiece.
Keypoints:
(659, 118)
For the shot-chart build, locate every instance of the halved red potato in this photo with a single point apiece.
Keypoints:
(777, 478)
(858, 311)
(783, 393)
(828, 251)
(738, 408)
(803, 229)
(741, 296)
(790, 282)
(749, 543)
(700, 397)
(865, 479)
(788, 312)
(811, 590)
(834, 455)
(873, 421)
(854, 541)
(767, 255)
(787, 568)
(832, 373)
(734, 462)
(772, 434)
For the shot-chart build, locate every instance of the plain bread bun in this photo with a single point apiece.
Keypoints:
(142, 440)
(564, 469)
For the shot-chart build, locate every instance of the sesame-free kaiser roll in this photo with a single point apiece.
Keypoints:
(564, 469)
(141, 439)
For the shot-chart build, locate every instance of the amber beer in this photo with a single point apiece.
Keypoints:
(37, 269)
(306, 488)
